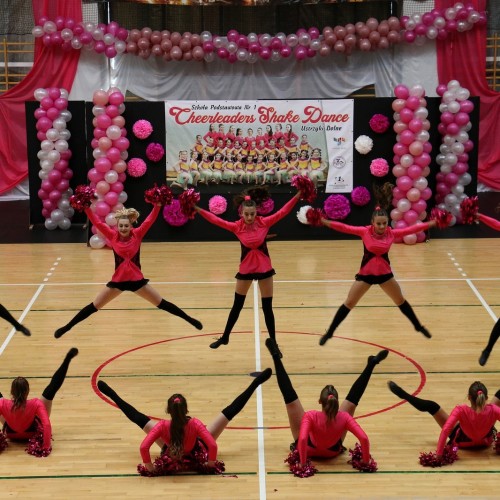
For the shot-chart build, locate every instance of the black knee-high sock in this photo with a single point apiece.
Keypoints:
(239, 403)
(177, 311)
(497, 394)
(234, 314)
(60, 374)
(87, 311)
(494, 335)
(424, 405)
(340, 316)
(267, 308)
(129, 411)
(284, 382)
(407, 310)
(8, 317)
(358, 388)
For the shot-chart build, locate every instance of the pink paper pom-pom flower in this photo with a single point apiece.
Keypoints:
(360, 196)
(136, 167)
(266, 207)
(379, 167)
(173, 214)
(217, 204)
(155, 152)
(337, 206)
(379, 123)
(142, 129)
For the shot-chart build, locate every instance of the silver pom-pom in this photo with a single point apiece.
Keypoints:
(302, 214)
(363, 144)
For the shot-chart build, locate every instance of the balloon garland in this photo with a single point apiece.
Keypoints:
(110, 146)
(112, 39)
(453, 157)
(54, 154)
(411, 160)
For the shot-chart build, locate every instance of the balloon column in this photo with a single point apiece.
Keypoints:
(110, 146)
(411, 159)
(111, 39)
(52, 117)
(453, 157)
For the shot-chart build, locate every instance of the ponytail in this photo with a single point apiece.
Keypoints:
(478, 395)
(329, 399)
(251, 197)
(177, 409)
(383, 199)
(20, 389)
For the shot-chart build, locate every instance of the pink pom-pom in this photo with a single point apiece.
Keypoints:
(154, 152)
(188, 199)
(35, 446)
(450, 455)
(193, 462)
(360, 196)
(305, 186)
(82, 198)
(469, 208)
(293, 461)
(3, 441)
(379, 167)
(357, 463)
(217, 204)
(173, 214)
(142, 129)
(266, 207)
(314, 216)
(442, 217)
(136, 167)
(379, 123)
(162, 195)
(337, 206)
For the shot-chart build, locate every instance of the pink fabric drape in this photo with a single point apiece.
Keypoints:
(51, 68)
(462, 57)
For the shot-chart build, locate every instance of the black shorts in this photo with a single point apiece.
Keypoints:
(373, 279)
(255, 276)
(338, 447)
(128, 286)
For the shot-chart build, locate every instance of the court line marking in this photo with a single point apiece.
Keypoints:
(81, 476)
(260, 413)
(481, 299)
(28, 307)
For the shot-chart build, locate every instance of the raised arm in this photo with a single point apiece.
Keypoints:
(216, 221)
(344, 228)
(148, 221)
(282, 212)
(106, 230)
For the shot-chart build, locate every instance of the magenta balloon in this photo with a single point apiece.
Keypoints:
(111, 198)
(55, 196)
(54, 176)
(122, 143)
(122, 176)
(427, 147)
(117, 187)
(103, 121)
(397, 193)
(254, 47)
(401, 92)
(404, 183)
(468, 146)
(414, 171)
(43, 124)
(410, 217)
(63, 184)
(406, 115)
(461, 119)
(426, 194)
(102, 208)
(42, 194)
(442, 129)
(45, 213)
(460, 168)
(265, 53)
(466, 106)
(442, 188)
(406, 137)
(46, 185)
(441, 89)
(99, 47)
(53, 113)
(222, 53)
(94, 175)
(232, 57)
(102, 164)
(400, 149)
(452, 129)
(48, 205)
(415, 125)
(113, 154)
(447, 117)
(451, 179)
(423, 160)
(287, 51)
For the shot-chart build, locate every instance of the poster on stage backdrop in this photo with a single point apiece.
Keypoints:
(261, 142)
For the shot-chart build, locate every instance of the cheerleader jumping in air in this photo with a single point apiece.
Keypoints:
(125, 241)
(321, 433)
(377, 238)
(255, 263)
(22, 418)
(182, 435)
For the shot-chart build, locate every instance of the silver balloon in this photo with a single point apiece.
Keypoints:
(445, 168)
(443, 107)
(421, 113)
(65, 115)
(50, 224)
(450, 159)
(252, 37)
(275, 56)
(462, 136)
(439, 22)
(42, 155)
(457, 148)
(40, 94)
(445, 149)
(468, 126)
(457, 190)
(462, 94)
(206, 36)
(65, 134)
(64, 224)
(242, 54)
(209, 57)
(453, 107)
(465, 179)
(252, 58)
(43, 175)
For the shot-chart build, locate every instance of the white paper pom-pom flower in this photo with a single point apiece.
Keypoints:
(302, 214)
(363, 144)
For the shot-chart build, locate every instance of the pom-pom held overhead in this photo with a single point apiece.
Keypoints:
(136, 167)
(162, 195)
(188, 199)
(217, 204)
(155, 152)
(314, 216)
(173, 214)
(450, 455)
(357, 463)
(142, 129)
(82, 198)
(379, 167)
(305, 186)
(293, 461)
(337, 206)
(469, 209)
(379, 123)
(443, 218)
(363, 144)
(360, 196)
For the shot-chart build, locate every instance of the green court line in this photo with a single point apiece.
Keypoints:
(88, 476)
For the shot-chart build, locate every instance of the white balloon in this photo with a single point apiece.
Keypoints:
(53, 156)
(465, 179)
(50, 224)
(110, 219)
(65, 134)
(65, 115)
(454, 107)
(59, 123)
(40, 94)
(457, 190)
(96, 241)
(64, 224)
(42, 174)
(42, 155)
(122, 197)
(52, 134)
(47, 146)
(57, 215)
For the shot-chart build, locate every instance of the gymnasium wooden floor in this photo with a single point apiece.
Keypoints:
(147, 354)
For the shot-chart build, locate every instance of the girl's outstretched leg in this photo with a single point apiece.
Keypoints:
(13, 321)
(230, 411)
(340, 316)
(494, 335)
(234, 314)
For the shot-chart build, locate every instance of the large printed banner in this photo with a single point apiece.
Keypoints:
(261, 142)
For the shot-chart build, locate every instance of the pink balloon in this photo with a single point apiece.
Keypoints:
(415, 125)
(113, 154)
(400, 149)
(401, 224)
(414, 171)
(103, 121)
(406, 137)
(423, 160)
(416, 148)
(447, 117)
(441, 89)
(401, 92)
(461, 119)
(120, 166)
(410, 217)
(468, 146)
(102, 208)
(406, 115)
(48, 205)
(63, 184)
(442, 188)
(104, 143)
(410, 239)
(112, 111)
(117, 187)
(102, 164)
(43, 195)
(426, 194)
(451, 179)
(111, 198)
(420, 205)
(94, 175)
(413, 102)
(404, 183)
(54, 176)
(122, 176)
(102, 187)
(52, 113)
(452, 129)
(421, 237)
(122, 143)
(55, 196)
(466, 106)
(396, 214)
(399, 126)
(460, 168)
